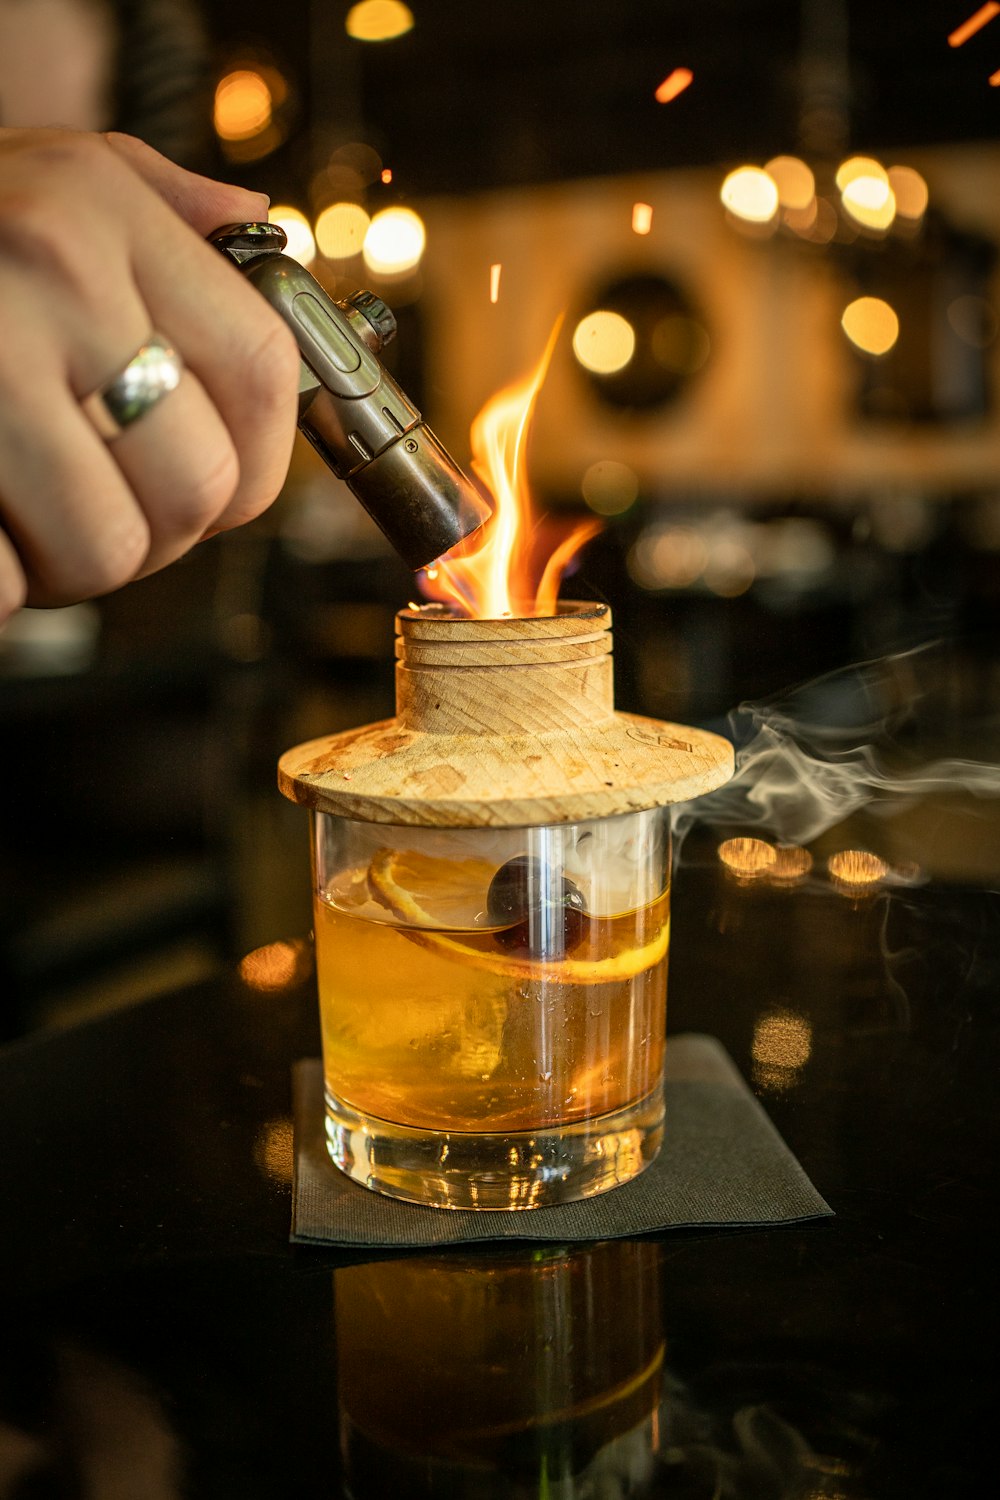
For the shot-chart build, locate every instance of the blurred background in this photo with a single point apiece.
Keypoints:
(771, 228)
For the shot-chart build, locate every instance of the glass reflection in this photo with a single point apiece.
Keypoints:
(526, 1372)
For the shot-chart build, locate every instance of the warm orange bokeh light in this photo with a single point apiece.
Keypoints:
(675, 83)
(975, 23)
(910, 191)
(859, 166)
(750, 194)
(277, 966)
(856, 869)
(243, 103)
(495, 271)
(494, 574)
(747, 859)
(871, 325)
(642, 218)
(795, 182)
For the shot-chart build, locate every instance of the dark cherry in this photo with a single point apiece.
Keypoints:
(512, 890)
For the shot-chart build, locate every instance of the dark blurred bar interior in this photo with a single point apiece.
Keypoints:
(795, 463)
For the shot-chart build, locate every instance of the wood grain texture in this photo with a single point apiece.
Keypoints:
(504, 723)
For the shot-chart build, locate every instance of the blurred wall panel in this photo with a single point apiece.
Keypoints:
(775, 409)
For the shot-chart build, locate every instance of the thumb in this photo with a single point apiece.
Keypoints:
(200, 201)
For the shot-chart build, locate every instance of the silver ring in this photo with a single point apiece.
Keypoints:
(152, 373)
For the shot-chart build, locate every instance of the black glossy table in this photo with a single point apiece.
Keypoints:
(161, 1337)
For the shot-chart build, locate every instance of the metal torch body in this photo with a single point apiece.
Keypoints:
(352, 411)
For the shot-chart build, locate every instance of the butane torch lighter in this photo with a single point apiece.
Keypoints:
(351, 409)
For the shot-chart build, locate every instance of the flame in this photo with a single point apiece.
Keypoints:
(494, 573)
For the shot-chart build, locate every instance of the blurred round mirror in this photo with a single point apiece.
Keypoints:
(639, 341)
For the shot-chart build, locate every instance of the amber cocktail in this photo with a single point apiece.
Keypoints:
(493, 1005)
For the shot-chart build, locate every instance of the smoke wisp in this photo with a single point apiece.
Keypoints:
(810, 758)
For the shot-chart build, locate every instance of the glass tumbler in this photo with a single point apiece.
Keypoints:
(493, 1005)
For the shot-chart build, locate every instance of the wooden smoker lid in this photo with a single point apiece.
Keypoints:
(504, 723)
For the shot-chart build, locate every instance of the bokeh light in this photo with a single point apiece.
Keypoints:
(277, 966)
(870, 201)
(730, 569)
(910, 192)
(243, 105)
(794, 180)
(642, 218)
(604, 342)
(750, 194)
(609, 487)
(395, 241)
(746, 859)
(378, 20)
(341, 230)
(670, 559)
(859, 166)
(301, 244)
(675, 83)
(856, 870)
(871, 325)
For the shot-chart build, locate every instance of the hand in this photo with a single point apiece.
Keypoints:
(102, 243)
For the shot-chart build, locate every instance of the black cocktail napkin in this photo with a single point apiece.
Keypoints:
(722, 1163)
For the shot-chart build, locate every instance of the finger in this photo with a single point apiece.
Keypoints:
(240, 350)
(75, 524)
(78, 295)
(180, 462)
(13, 584)
(203, 203)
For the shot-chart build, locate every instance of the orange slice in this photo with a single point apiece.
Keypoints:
(617, 966)
(429, 892)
